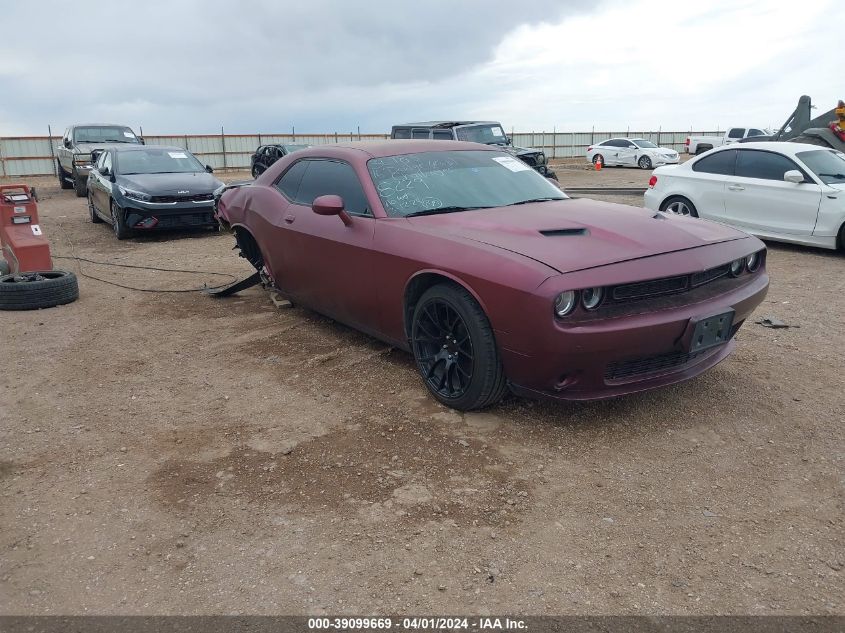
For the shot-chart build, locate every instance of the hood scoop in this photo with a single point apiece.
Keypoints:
(564, 232)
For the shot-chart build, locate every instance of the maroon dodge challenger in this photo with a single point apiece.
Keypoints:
(490, 275)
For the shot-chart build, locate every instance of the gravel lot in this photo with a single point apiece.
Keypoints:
(173, 453)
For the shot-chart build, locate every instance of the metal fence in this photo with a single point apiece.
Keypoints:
(35, 155)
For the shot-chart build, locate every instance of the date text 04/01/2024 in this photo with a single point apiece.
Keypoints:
(417, 623)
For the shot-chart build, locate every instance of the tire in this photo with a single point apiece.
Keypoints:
(680, 206)
(841, 241)
(95, 219)
(644, 162)
(455, 350)
(80, 186)
(62, 175)
(118, 222)
(598, 158)
(36, 290)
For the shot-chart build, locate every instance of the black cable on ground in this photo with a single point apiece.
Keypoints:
(79, 260)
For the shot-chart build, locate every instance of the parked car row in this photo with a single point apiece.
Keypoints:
(484, 270)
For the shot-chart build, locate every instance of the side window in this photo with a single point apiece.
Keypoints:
(763, 165)
(106, 161)
(419, 133)
(442, 135)
(101, 161)
(402, 132)
(718, 163)
(329, 177)
(288, 184)
(755, 132)
(737, 132)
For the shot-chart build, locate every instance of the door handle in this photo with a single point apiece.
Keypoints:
(736, 187)
(290, 218)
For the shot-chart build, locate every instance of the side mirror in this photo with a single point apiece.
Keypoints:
(105, 171)
(331, 205)
(141, 140)
(67, 143)
(793, 175)
(209, 169)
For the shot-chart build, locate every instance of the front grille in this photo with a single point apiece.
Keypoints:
(649, 365)
(652, 288)
(200, 197)
(667, 285)
(184, 220)
(710, 275)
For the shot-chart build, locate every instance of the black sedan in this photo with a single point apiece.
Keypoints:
(266, 155)
(142, 188)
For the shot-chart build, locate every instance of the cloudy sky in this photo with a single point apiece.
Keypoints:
(190, 66)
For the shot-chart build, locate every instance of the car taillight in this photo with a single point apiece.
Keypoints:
(652, 181)
(686, 142)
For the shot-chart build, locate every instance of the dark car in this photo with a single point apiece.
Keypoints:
(142, 188)
(487, 132)
(266, 155)
(491, 276)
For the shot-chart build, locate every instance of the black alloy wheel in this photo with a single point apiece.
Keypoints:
(455, 350)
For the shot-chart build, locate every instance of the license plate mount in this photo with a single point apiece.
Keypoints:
(705, 332)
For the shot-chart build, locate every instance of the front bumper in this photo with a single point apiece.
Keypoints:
(146, 217)
(659, 161)
(639, 348)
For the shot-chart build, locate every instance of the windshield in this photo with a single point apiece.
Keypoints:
(294, 148)
(456, 181)
(640, 142)
(104, 134)
(492, 134)
(827, 164)
(156, 161)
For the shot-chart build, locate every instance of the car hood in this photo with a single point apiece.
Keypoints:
(90, 147)
(163, 184)
(571, 235)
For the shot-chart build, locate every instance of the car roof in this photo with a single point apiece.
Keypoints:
(783, 147)
(379, 149)
(75, 125)
(446, 124)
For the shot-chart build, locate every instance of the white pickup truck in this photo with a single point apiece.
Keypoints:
(699, 144)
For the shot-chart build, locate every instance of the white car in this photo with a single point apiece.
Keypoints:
(789, 192)
(631, 152)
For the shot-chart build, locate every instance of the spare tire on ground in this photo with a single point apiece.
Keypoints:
(34, 290)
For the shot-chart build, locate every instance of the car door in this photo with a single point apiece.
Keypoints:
(759, 200)
(706, 186)
(328, 266)
(627, 153)
(610, 150)
(100, 183)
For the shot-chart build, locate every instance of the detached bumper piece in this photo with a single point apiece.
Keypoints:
(174, 220)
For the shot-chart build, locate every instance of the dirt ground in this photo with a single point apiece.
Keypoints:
(173, 453)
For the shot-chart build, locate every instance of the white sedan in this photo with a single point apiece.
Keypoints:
(789, 192)
(631, 152)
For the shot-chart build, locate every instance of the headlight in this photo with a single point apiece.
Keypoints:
(541, 159)
(135, 195)
(591, 297)
(753, 262)
(737, 266)
(565, 303)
